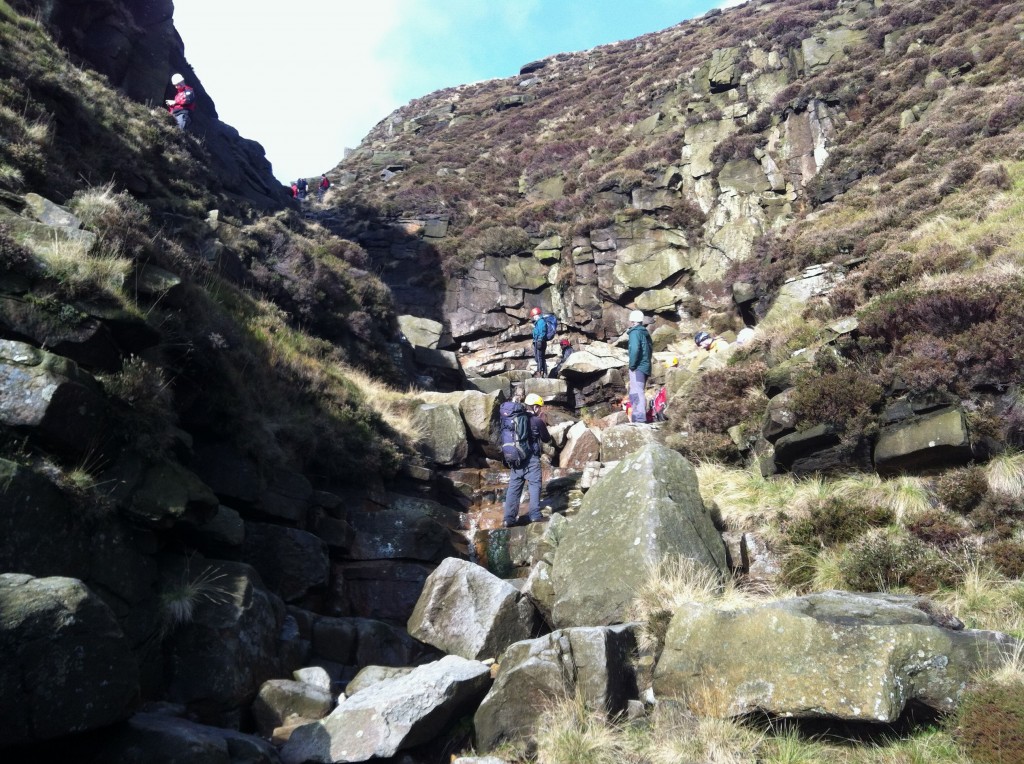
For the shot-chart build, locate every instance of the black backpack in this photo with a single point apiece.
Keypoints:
(515, 432)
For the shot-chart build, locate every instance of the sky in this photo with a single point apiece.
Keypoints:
(309, 78)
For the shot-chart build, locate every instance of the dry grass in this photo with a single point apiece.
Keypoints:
(80, 272)
(987, 600)
(573, 733)
(1005, 474)
(673, 583)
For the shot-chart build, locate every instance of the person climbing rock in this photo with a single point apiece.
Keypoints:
(526, 469)
(711, 344)
(566, 347)
(301, 187)
(295, 189)
(183, 103)
(640, 351)
(322, 188)
(540, 342)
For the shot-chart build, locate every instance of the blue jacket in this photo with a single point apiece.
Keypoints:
(540, 330)
(640, 350)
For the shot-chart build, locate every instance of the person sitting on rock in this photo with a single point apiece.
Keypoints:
(528, 469)
(711, 344)
(566, 352)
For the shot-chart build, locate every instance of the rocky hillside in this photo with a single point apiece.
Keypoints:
(223, 538)
(841, 175)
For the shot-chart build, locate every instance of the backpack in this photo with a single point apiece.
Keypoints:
(550, 326)
(302, 184)
(515, 432)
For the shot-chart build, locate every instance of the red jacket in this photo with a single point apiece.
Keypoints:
(185, 98)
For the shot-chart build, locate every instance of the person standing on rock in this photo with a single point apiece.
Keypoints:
(540, 342)
(322, 188)
(527, 470)
(301, 186)
(641, 350)
(183, 104)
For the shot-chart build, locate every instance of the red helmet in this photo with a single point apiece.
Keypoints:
(564, 343)
(534, 312)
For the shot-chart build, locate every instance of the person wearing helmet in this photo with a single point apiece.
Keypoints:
(183, 104)
(566, 352)
(711, 344)
(540, 342)
(528, 470)
(640, 351)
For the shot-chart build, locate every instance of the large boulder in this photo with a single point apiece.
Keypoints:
(445, 434)
(421, 332)
(645, 510)
(860, 657)
(406, 532)
(50, 397)
(392, 714)
(583, 445)
(592, 662)
(593, 358)
(67, 666)
(465, 610)
(151, 738)
(283, 701)
(924, 442)
(290, 561)
(349, 643)
(620, 441)
(222, 630)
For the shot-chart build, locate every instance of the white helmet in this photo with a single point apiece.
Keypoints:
(636, 317)
(177, 79)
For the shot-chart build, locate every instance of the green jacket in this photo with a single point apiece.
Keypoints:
(640, 350)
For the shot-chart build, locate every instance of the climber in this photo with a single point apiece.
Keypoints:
(540, 342)
(527, 470)
(295, 189)
(301, 186)
(322, 188)
(640, 351)
(711, 344)
(183, 104)
(566, 352)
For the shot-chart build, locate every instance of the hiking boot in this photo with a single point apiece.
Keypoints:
(541, 519)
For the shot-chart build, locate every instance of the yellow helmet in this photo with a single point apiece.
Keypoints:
(534, 400)
(673, 361)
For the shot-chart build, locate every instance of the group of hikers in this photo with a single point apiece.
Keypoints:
(524, 431)
(300, 188)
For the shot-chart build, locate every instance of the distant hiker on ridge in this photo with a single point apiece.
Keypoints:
(322, 188)
(183, 104)
(295, 189)
(640, 351)
(301, 187)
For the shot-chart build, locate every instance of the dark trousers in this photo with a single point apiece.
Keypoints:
(527, 472)
(184, 118)
(540, 350)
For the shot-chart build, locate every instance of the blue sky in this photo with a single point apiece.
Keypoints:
(308, 78)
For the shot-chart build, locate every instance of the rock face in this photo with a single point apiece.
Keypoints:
(392, 714)
(593, 662)
(223, 637)
(49, 394)
(159, 739)
(464, 610)
(134, 43)
(836, 654)
(646, 509)
(67, 666)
